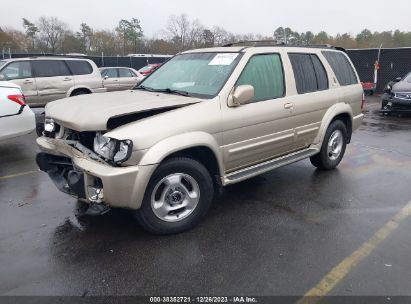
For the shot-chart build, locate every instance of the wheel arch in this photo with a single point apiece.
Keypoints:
(78, 88)
(341, 111)
(198, 145)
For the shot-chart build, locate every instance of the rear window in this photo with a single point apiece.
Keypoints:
(309, 73)
(341, 67)
(79, 67)
(50, 68)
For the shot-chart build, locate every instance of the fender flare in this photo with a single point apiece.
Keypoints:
(157, 153)
(335, 110)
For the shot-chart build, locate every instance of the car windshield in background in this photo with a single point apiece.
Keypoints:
(406, 78)
(195, 74)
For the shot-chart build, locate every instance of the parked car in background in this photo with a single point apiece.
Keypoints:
(207, 118)
(397, 96)
(44, 79)
(150, 68)
(120, 78)
(16, 118)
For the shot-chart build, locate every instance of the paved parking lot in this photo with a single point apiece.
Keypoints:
(292, 231)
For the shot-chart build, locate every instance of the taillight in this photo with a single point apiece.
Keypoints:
(362, 101)
(18, 98)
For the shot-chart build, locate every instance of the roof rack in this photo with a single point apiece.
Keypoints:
(251, 43)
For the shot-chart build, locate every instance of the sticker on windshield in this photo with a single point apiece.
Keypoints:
(223, 59)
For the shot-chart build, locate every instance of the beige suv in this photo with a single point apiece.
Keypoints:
(44, 79)
(207, 118)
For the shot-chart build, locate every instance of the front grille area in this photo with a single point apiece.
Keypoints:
(405, 95)
(84, 138)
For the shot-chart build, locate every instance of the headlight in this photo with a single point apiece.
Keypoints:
(112, 149)
(49, 125)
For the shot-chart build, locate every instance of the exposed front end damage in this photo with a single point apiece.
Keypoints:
(78, 171)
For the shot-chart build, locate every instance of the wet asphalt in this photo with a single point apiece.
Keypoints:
(276, 234)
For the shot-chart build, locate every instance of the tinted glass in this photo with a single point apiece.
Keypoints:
(304, 73)
(125, 73)
(199, 74)
(110, 73)
(322, 79)
(265, 74)
(50, 68)
(17, 70)
(309, 73)
(341, 67)
(79, 67)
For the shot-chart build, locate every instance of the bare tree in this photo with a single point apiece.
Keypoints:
(51, 30)
(178, 28)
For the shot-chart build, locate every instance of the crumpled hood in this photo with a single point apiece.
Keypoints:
(91, 112)
(401, 86)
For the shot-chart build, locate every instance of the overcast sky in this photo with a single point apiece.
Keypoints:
(240, 17)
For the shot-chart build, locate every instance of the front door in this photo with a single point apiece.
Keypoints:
(20, 73)
(261, 129)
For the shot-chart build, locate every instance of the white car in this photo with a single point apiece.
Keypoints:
(16, 118)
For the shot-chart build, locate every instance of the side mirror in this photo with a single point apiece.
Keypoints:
(105, 77)
(398, 79)
(241, 95)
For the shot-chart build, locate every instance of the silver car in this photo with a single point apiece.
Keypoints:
(44, 79)
(120, 78)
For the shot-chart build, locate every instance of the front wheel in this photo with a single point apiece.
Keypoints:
(177, 197)
(333, 147)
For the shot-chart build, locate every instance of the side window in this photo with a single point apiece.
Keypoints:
(50, 68)
(341, 67)
(110, 73)
(124, 73)
(79, 67)
(265, 74)
(17, 70)
(309, 73)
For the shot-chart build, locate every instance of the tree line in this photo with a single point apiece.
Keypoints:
(51, 35)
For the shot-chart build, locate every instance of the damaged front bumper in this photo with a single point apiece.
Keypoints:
(392, 104)
(75, 172)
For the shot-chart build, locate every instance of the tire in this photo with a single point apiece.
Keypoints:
(79, 92)
(333, 147)
(177, 197)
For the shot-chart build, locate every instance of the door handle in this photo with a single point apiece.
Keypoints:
(288, 106)
(28, 81)
(67, 79)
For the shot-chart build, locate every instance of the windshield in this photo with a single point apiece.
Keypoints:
(2, 62)
(196, 74)
(407, 78)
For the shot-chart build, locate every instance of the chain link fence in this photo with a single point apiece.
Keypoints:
(101, 61)
(394, 62)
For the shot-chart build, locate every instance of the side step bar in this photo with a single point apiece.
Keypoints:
(243, 174)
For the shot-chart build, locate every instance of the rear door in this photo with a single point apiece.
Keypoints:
(312, 99)
(53, 79)
(110, 79)
(20, 73)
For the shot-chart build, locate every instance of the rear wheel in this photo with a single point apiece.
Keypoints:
(177, 197)
(333, 147)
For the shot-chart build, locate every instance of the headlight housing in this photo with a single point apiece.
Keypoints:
(112, 149)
